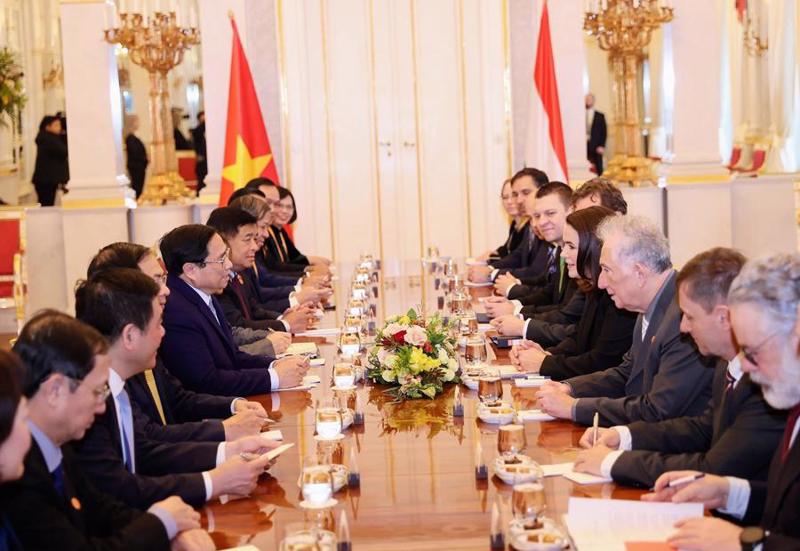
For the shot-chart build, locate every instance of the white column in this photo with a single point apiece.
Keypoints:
(697, 54)
(94, 110)
(256, 24)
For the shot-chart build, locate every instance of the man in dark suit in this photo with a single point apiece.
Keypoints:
(764, 301)
(736, 435)
(198, 347)
(531, 257)
(662, 377)
(199, 144)
(239, 300)
(553, 286)
(119, 453)
(160, 395)
(54, 505)
(135, 155)
(596, 133)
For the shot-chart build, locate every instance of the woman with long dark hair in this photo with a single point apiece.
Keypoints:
(52, 169)
(604, 331)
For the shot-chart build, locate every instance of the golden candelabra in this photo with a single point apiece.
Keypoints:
(157, 44)
(623, 28)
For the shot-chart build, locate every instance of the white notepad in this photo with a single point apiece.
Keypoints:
(556, 469)
(531, 381)
(272, 434)
(309, 381)
(301, 349)
(320, 332)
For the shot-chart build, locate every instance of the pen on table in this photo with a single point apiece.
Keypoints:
(595, 423)
(685, 480)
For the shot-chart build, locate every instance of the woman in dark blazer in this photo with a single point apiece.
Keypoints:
(137, 160)
(52, 169)
(516, 230)
(279, 246)
(604, 331)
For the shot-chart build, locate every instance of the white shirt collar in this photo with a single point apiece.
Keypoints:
(115, 383)
(203, 295)
(735, 368)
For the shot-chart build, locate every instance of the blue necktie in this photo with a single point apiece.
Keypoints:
(127, 429)
(58, 479)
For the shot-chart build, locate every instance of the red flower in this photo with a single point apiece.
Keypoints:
(427, 347)
(399, 336)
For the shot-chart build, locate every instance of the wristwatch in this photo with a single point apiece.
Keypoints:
(750, 537)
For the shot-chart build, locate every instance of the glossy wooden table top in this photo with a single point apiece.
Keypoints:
(417, 462)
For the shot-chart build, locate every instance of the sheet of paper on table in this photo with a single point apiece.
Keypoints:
(320, 332)
(607, 524)
(556, 469)
(308, 382)
(534, 415)
(531, 381)
(585, 478)
(301, 348)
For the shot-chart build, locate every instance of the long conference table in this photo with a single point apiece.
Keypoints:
(418, 488)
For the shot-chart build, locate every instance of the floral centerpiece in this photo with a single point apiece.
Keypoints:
(416, 357)
(12, 95)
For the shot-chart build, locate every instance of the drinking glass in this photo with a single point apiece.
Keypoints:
(490, 386)
(510, 441)
(468, 323)
(344, 375)
(527, 502)
(475, 351)
(317, 485)
(328, 419)
(350, 343)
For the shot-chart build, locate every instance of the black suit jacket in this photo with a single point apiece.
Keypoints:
(774, 504)
(280, 253)
(51, 159)
(200, 351)
(551, 327)
(45, 520)
(100, 455)
(192, 415)
(662, 376)
(598, 133)
(515, 237)
(603, 337)
(529, 259)
(136, 152)
(736, 436)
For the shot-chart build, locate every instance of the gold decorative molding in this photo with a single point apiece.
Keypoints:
(507, 91)
(284, 95)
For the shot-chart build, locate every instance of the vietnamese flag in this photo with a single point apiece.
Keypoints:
(247, 151)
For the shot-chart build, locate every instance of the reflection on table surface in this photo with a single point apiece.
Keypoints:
(418, 488)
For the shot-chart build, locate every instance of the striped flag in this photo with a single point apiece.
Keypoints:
(544, 145)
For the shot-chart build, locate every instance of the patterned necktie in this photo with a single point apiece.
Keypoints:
(731, 382)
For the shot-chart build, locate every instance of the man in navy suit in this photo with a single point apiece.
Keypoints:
(55, 505)
(158, 393)
(198, 347)
(123, 305)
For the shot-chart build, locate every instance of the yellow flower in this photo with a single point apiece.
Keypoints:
(419, 361)
(404, 320)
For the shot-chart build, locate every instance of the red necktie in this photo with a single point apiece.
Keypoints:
(787, 433)
(236, 283)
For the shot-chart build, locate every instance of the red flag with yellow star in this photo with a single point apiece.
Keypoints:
(247, 151)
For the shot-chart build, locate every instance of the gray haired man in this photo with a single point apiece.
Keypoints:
(662, 376)
(765, 313)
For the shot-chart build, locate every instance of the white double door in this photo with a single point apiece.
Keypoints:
(396, 120)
